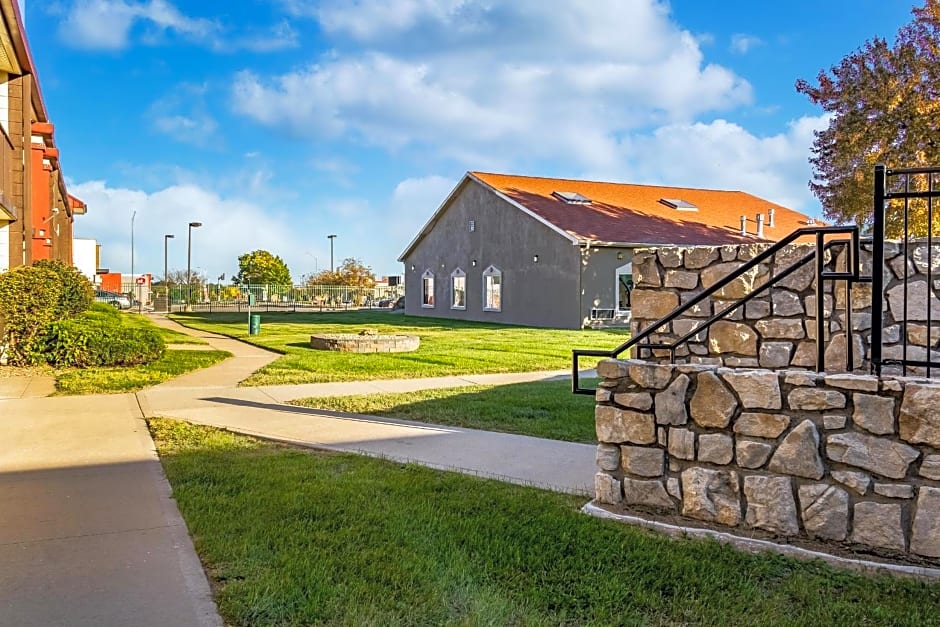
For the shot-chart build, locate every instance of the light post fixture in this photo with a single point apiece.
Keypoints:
(166, 273)
(331, 238)
(189, 260)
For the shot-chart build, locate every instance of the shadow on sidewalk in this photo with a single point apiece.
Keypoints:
(326, 413)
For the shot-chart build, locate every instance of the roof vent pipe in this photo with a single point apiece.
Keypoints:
(760, 225)
(743, 226)
(770, 217)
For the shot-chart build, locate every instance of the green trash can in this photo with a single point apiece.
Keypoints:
(254, 324)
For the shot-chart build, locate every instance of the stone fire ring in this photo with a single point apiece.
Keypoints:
(354, 343)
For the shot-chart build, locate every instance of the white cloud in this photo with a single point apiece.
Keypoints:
(413, 202)
(466, 80)
(110, 24)
(369, 19)
(107, 24)
(241, 221)
(280, 36)
(231, 227)
(724, 155)
(182, 115)
(743, 44)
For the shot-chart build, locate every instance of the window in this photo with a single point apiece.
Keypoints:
(572, 198)
(624, 286)
(427, 289)
(458, 289)
(492, 289)
(678, 203)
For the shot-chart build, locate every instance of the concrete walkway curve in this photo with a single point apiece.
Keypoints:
(90, 534)
(204, 398)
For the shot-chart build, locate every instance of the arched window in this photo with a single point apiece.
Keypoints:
(624, 286)
(492, 289)
(458, 289)
(427, 289)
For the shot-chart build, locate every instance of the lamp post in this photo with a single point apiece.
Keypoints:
(166, 274)
(133, 217)
(135, 290)
(189, 260)
(331, 238)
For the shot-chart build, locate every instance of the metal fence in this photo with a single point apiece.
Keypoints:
(904, 210)
(235, 298)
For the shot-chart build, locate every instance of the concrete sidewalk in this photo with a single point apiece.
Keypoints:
(26, 387)
(89, 534)
(562, 466)
(260, 411)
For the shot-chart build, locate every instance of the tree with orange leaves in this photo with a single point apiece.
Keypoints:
(884, 107)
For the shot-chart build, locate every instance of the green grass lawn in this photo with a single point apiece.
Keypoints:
(448, 347)
(119, 379)
(295, 537)
(170, 336)
(544, 409)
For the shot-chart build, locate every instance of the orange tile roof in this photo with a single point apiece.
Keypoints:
(633, 214)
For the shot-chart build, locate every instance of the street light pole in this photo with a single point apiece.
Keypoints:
(135, 289)
(166, 273)
(331, 238)
(133, 217)
(189, 259)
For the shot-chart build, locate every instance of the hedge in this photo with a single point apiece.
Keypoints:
(29, 302)
(77, 293)
(97, 338)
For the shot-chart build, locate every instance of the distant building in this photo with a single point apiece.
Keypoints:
(36, 210)
(558, 252)
(85, 257)
(389, 281)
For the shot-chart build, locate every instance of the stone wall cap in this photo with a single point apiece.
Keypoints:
(847, 381)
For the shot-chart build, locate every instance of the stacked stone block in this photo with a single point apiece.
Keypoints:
(844, 458)
(777, 328)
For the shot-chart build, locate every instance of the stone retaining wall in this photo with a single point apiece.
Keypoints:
(838, 458)
(777, 329)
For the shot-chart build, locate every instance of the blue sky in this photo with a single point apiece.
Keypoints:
(278, 122)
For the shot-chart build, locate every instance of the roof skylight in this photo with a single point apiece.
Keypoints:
(572, 198)
(678, 204)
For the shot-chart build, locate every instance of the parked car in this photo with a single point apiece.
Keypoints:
(393, 302)
(113, 298)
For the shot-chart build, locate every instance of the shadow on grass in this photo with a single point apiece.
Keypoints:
(544, 409)
(305, 345)
(295, 538)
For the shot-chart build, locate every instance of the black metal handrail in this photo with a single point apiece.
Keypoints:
(820, 232)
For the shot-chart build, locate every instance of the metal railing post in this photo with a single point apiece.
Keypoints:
(820, 304)
(850, 266)
(877, 270)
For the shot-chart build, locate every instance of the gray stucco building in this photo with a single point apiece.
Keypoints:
(557, 252)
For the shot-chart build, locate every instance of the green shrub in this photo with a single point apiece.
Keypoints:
(98, 338)
(29, 301)
(103, 312)
(77, 292)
